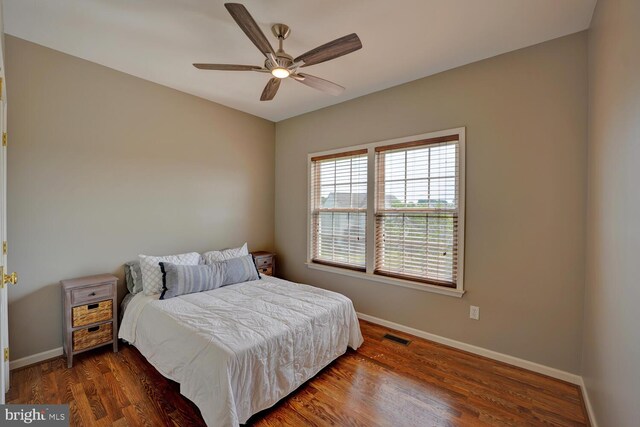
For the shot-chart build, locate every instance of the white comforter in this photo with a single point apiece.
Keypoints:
(239, 349)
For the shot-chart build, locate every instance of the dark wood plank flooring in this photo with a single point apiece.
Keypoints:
(383, 383)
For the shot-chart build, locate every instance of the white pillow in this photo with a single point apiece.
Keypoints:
(151, 273)
(225, 254)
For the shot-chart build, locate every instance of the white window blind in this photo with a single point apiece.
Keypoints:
(417, 210)
(339, 209)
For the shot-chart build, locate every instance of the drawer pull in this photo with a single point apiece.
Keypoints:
(93, 306)
(92, 294)
(93, 328)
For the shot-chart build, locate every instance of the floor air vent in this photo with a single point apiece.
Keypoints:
(396, 339)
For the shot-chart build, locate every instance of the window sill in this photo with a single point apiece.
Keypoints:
(457, 293)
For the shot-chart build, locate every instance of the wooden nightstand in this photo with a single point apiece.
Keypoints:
(266, 262)
(90, 310)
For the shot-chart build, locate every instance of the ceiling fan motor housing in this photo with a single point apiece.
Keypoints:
(284, 61)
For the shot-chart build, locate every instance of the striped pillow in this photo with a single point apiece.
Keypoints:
(186, 279)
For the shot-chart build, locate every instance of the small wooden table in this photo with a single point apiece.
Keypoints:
(90, 310)
(266, 262)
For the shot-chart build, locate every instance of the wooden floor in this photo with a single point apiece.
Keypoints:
(383, 383)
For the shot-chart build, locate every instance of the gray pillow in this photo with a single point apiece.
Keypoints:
(238, 270)
(187, 279)
(133, 277)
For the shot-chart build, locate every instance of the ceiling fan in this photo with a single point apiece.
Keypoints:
(279, 63)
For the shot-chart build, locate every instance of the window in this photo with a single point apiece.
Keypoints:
(417, 210)
(339, 209)
(404, 227)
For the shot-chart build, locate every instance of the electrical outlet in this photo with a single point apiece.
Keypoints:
(474, 312)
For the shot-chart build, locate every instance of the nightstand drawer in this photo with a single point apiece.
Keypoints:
(266, 270)
(92, 313)
(263, 262)
(91, 293)
(92, 336)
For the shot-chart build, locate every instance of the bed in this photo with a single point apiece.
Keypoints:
(240, 349)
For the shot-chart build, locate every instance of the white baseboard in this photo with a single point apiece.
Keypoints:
(501, 357)
(35, 358)
(587, 404)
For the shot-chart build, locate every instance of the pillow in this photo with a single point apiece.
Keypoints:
(217, 256)
(151, 273)
(186, 279)
(238, 270)
(133, 277)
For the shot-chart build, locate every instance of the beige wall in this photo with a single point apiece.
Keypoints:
(104, 166)
(525, 114)
(611, 354)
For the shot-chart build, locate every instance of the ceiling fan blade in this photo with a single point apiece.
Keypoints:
(331, 50)
(270, 89)
(227, 67)
(246, 22)
(318, 83)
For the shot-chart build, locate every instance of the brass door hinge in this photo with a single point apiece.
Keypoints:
(7, 278)
(4, 139)
(1, 88)
(5, 247)
(6, 354)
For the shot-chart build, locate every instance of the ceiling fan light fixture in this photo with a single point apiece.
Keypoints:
(281, 73)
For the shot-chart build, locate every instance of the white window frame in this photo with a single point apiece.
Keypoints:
(458, 291)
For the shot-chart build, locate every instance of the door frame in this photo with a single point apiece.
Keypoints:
(4, 316)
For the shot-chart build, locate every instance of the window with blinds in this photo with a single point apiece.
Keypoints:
(339, 209)
(417, 210)
(406, 226)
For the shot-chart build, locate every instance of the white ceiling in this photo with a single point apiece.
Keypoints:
(403, 40)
